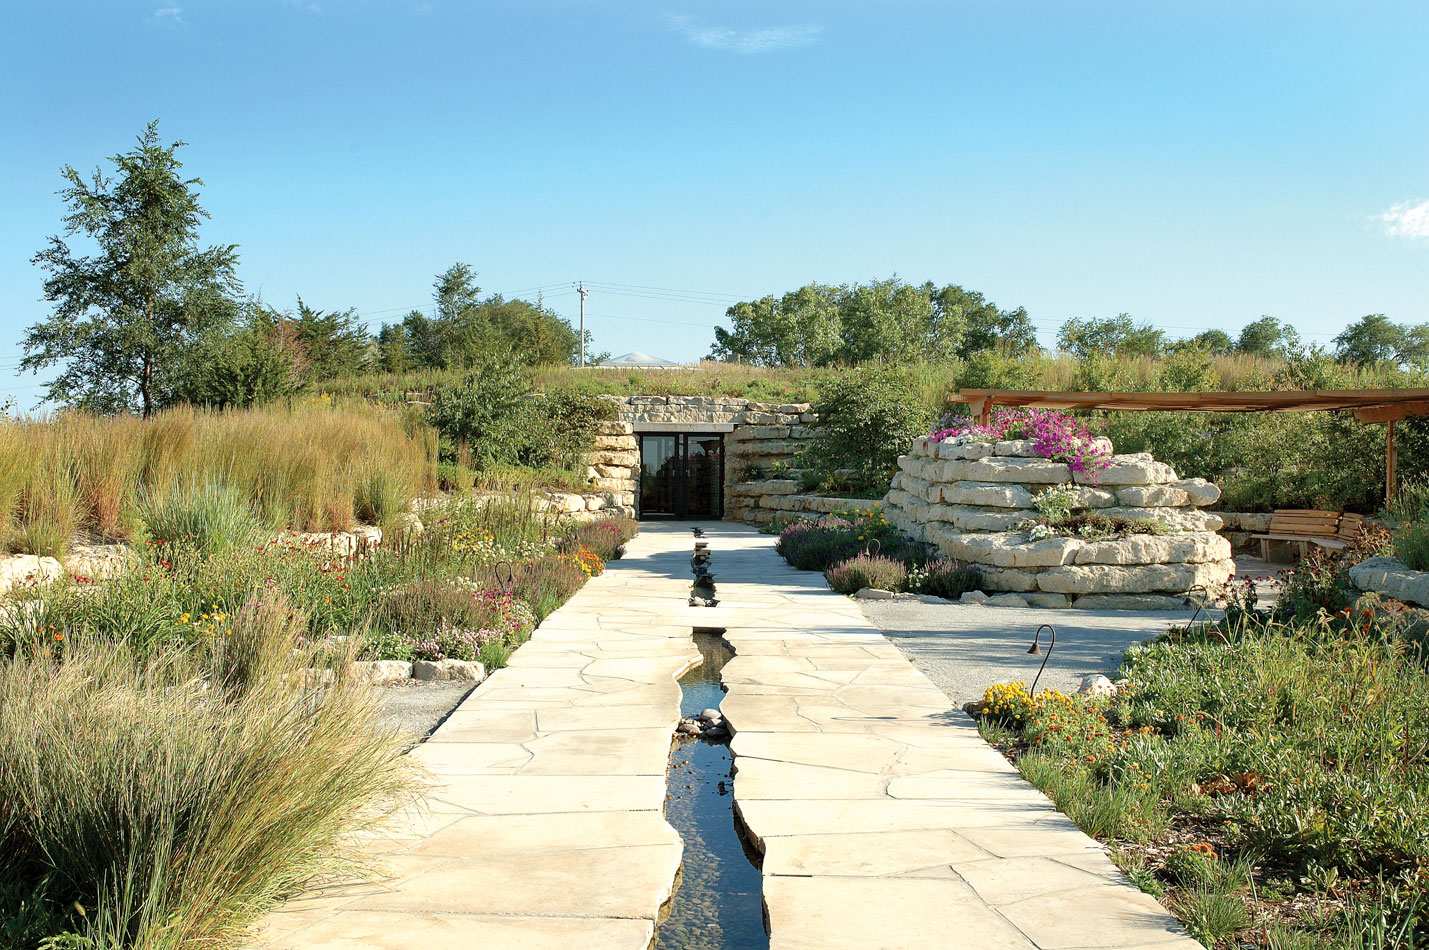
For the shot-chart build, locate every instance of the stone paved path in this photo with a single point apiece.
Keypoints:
(886, 823)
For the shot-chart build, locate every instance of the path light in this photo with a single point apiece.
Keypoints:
(503, 567)
(699, 532)
(1200, 604)
(1036, 650)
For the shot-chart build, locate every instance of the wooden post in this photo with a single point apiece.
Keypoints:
(1391, 456)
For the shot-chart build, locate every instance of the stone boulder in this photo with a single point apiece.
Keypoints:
(1390, 577)
(458, 670)
(28, 570)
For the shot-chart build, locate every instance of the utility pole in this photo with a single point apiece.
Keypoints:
(584, 293)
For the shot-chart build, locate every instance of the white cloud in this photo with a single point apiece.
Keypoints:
(171, 14)
(745, 41)
(1407, 219)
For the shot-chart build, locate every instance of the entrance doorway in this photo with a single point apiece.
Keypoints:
(682, 475)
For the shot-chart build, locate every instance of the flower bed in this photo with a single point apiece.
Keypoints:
(1054, 435)
(858, 549)
(1263, 777)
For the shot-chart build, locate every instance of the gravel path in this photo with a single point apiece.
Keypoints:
(965, 648)
(416, 708)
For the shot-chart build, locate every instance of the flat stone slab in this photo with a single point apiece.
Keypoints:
(884, 819)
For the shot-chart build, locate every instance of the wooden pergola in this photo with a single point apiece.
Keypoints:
(1368, 405)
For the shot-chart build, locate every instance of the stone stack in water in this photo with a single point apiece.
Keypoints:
(967, 498)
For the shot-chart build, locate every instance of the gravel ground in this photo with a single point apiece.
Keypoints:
(416, 708)
(965, 648)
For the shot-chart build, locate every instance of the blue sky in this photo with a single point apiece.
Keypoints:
(1194, 164)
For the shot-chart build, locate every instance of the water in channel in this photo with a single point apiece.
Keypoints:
(717, 904)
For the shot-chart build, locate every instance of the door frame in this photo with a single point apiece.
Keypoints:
(682, 489)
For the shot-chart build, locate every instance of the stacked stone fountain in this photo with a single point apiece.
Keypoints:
(966, 498)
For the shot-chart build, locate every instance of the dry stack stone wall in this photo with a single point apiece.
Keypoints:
(613, 468)
(966, 498)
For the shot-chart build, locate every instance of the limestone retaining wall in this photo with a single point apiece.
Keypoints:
(966, 499)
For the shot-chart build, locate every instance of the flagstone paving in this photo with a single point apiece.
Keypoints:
(885, 822)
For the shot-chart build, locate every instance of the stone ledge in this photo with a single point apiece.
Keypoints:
(1390, 577)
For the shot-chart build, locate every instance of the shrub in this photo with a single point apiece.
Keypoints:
(946, 578)
(867, 418)
(856, 573)
(173, 813)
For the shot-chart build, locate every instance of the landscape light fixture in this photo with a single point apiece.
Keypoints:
(1036, 650)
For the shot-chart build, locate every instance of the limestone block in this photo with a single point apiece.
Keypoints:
(613, 427)
(1006, 600)
(1131, 602)
(615, 442)
(905, 463)
(754, 417)
(1392, 578)
(1133, 579)
(608, 484)
(1015, 448)
(1245, 520)
(1183, 519)
(973, 518)
(27, 570)
(104, 561)
(768, 432)
(920, 449)
(380, 672)
(1008, 578)
(1009, 549)
(1087, 497)
(772, 486)
(1138, 469)
(612, 471)
(991, 495)
(1152, 496)
(612, 457)
(1199, 491)
(1025, 471)
(1156, 549)
(1047, 601)
(973, 597)
(458, 670)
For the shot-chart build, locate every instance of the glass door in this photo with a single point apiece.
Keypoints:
(682, 476)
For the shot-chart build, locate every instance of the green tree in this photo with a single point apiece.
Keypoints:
(1111, 336)
(1214, 342)
(124, 316)
(882, 320)
(334, 342)
(260, 360)
(465, 330)
(1268, 338)
(1374, 339)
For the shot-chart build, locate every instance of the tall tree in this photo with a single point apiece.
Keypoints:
(1113, 336)
(124, 315)
(1374, 339)
(1268, 338)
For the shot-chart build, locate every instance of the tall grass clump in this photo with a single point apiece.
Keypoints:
(318, 466)
(213, 517)
(170, 802)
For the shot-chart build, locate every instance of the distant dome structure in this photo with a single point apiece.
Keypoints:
(638, 360)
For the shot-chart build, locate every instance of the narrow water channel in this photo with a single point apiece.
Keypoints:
(717, 903)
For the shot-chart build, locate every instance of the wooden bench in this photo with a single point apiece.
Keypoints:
(1327, 529)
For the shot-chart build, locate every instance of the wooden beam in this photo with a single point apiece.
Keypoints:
(1394, 412)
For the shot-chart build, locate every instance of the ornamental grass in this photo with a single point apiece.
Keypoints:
(317, 466)
(166, 802)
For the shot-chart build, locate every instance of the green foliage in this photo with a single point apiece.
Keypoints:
(493, 418)
(867, 418)
(1297, 747)
(1267, 338)
(1114, 336)
(213, 517)
(883, 320)
(1411, 545)
(468, 331)
(125, 317)
(169, 802)
(1374, 339)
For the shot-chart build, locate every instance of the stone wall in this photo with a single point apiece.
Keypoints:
(613, 468)
(1240, 526)
(966, 499)
(761, 441)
